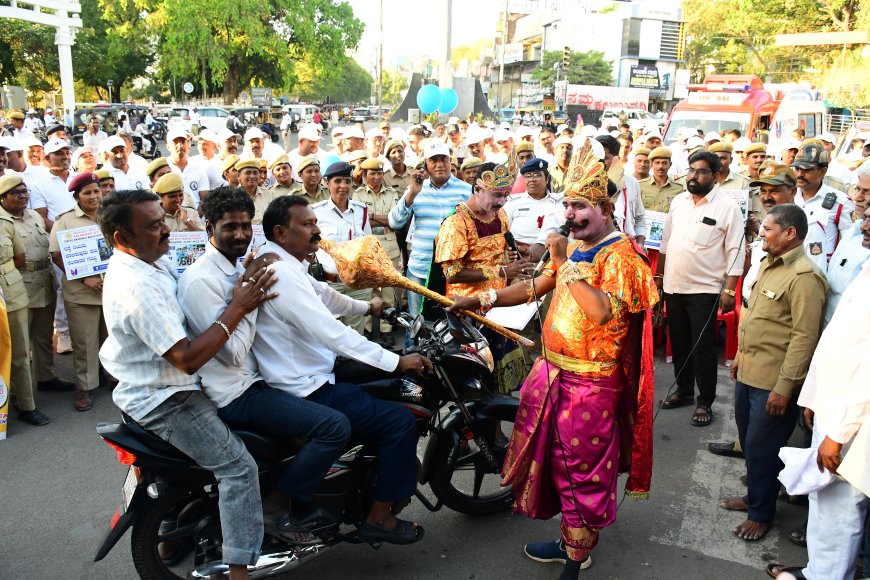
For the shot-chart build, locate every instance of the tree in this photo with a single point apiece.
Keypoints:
(395, 84)
(252, 42)
(586, 68)
(350, 83)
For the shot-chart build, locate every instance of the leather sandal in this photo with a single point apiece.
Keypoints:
(404, 532)
(676, 401)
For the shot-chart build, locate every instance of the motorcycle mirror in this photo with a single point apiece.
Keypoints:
(458, 329)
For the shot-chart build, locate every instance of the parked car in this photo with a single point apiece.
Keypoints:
(213, 118)
(305, 112)
(360, 115)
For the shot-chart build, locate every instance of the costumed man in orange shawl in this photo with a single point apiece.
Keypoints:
(586, 408)
(473, 253)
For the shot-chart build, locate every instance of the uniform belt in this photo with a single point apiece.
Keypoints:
(7, 267)
(37, 265)
(576, 365)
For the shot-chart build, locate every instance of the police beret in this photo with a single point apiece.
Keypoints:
(338, 169)
(641, 151)
(169, 183)
(373, 163)
(229, 162)
(535, 164)
(660, 153)
(525, 146)
(279, 160)
(81, 180)
(755, 148)
(9, 182)
(248, 163)
(470, 162)
(306, 161)
(720, 147)
(104, 174)
(155, 165)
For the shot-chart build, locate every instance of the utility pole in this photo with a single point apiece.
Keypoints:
(379, 116)
(504, 28)
(447, 73)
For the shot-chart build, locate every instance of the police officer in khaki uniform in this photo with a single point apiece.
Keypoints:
(107, 182)
(657, 190)
(13, 257)
(83, 297)
(311, 187)
(398, 175)
(728, 179)
(180, 214)
(755, 155)
(283, 173)
(564, 149)
(230, 173)
(249, 180)
(380, 199)
(41, 288)
(157, 169)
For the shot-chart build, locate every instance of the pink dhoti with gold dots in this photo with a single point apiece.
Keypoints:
(565, 450)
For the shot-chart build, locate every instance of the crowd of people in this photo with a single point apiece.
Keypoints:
(493, 216)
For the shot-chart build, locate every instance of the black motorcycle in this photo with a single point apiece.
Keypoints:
(468, 429)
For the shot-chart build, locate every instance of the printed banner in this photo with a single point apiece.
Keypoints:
(85, 252)
(741, 196)
(258, 240)
(5, 367)
(656, 220)
(185, 248)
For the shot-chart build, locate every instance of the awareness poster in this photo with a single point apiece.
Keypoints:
(656, 220)
(85, 252)
(741, 196)
(185, 248)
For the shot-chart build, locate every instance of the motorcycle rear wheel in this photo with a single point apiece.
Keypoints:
(144, 540)
(463, 473)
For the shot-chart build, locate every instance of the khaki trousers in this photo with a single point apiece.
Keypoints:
(21, 376)
(87, 332)
(41, 323)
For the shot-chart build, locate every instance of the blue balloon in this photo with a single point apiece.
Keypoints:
(329, 160)
(428, 99)
(449, 101)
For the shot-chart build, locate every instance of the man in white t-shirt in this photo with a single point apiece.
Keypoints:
(196, 181)
(207, 143)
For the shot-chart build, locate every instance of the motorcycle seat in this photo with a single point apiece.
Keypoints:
(269, 449)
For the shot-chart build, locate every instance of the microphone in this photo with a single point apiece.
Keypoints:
(564, 230)
(511, 242)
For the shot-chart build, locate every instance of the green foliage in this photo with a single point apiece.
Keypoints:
(395, 85)
(348, 83)
(586, 68)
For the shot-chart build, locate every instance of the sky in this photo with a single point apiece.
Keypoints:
(419, 27)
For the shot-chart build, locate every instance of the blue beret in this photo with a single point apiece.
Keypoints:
(534, 164)
(339, 168)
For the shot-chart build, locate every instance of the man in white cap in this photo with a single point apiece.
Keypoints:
(838, 176)
(338, 141)
(119, 168)
(32, 122)
(258, 146)
(474, 140)
(228, 144)
(135, 160)
(309, 144)
(652, 140)
(505, 143)
(34, 152)
(546, 150)
(353, 139)
(195, 177)
(739, 145)
(50, 195)
(207, 142)
(374, 143)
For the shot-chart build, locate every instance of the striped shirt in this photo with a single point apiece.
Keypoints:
(430, 207)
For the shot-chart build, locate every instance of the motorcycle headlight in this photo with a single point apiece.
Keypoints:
(485, 355)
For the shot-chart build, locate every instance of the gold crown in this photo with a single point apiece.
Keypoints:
(586, 178)
(502, 177)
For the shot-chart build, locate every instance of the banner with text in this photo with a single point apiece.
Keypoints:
(84, 251)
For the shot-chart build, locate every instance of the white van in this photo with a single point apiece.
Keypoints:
(305, 113)
(799, 109)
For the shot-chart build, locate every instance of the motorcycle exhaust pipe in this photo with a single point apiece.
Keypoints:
(267, 564)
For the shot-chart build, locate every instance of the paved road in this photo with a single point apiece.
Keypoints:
(61, 484)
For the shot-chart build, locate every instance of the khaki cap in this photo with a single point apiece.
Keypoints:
(755, 148)
(17, 115)
(775, 174)
(354, 156)
(155, 165)
(524, 146)
(169, 183)
(373, 163)
(279, 160)
(721, 147)
(229, 162)
(104, 174)
(469, 163)
(392, 144)
(660, 153)
(641, 151)
(9, 182)
(248, 164)
(306, 161)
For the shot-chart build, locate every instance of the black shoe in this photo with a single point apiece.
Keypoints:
(35, 417)
(57, 385)
(724, 449)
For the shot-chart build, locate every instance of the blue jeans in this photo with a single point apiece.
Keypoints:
(278, 414)
(189, 421)
(391, 426)
(415, 302)
(762, 436)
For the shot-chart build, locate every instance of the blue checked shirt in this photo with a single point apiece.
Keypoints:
(430, 207)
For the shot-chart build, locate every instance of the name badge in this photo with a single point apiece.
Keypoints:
(768, 293)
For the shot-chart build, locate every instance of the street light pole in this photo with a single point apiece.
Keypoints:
(501, 60)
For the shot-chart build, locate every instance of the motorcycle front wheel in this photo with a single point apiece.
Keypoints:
(193, 523)
(464, 478)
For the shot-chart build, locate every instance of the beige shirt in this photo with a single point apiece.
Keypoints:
(299, 189)
(36, 273)
(395, 181)
(657, 197)
(261, 201)
(11, 283)
(380, 204)
(177, 225)
(73, 291)
(557, 179)
(703, 242)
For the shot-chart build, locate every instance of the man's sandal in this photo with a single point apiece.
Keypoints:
(676, 401)
(703, 416)
(404, 532)
(288, 529)
(774, 570)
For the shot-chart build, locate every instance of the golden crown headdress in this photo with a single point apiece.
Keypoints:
(502, 177)
(587, 177)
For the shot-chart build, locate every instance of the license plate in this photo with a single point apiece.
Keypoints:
(131, 482)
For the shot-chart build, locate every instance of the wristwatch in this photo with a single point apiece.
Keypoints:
(731, 293)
